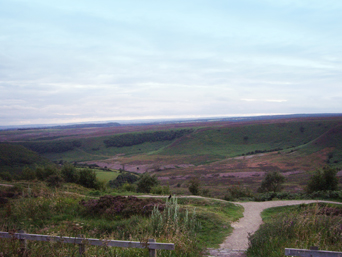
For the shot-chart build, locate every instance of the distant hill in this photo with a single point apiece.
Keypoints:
(209, 141)
(14, 157)
(70, 126)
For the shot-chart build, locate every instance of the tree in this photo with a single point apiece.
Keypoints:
(70, 173)
(323, 180)
(88, 179)
(122, 179)
(146, 182)
(28, 174)
(272, 182)
(55, 181)
(194, 186)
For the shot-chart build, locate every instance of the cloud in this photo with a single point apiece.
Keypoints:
(264, 100)
(71, 61)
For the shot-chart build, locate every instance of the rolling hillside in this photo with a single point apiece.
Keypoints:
(204, 144)
(220, 153)
(14, 157)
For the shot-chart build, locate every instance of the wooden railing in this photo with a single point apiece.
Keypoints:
(313, 252)
(152, 245)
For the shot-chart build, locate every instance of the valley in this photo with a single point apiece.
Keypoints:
(220, 153)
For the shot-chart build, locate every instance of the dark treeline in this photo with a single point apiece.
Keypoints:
(263, 151)
(52, 146)
(139, 138)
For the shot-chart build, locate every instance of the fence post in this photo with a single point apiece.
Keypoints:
(315, 248)
(153, 252)
(81, 249)
(23, 244)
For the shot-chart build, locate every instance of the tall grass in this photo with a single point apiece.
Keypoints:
(301, 228)
(55, 213)
(172, 220)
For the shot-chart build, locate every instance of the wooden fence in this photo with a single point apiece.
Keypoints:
(313, 252)
(152, 245)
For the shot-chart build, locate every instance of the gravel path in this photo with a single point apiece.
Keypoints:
(237, 242)
(6, 185)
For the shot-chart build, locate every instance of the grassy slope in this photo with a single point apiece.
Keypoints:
(234, 141)
(94, 149)
(206, 145)
(14, 157)
(105, 176)
(301, 226)
(58, 212)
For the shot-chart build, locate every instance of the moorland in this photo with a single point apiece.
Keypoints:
(56, 173)
(219, 153)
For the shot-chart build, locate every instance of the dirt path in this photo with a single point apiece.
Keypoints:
(6, 185)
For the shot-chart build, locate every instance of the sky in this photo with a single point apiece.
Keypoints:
(107, 60)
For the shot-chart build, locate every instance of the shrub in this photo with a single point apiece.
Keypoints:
(237, 192)
(272, 182)
(161, 190)
(129, 187)
(70, 173)
(43, 173)
(194, 186)
(88, 179)
(28, 174)
(205, 192)
(323, 180)
(122, 179)
(146, 183)
(112, 207)
(55, 181)
(5, 175)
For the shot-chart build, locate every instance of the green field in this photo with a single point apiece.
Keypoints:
(105, 176)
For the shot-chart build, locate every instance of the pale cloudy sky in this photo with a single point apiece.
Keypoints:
(81, 60)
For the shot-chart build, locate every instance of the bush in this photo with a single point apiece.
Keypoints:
(43, 173)
(146, 183)
(28, 174)
(161, 190)
(54, 181)
(5, 175)
(88, 179)
(112, 207)
(129, 187)
(194, 186)
(122, 179)
(238, 192)
(205, 192)
(272, 182)
(323, 180)
(70, 173)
